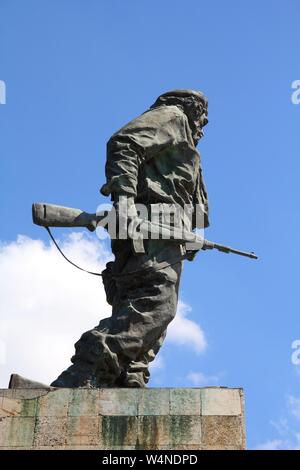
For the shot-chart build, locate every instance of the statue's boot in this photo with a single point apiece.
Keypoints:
(82, 374)
(132, 380)
(77, 375)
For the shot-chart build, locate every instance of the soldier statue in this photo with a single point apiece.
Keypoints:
(151, 160)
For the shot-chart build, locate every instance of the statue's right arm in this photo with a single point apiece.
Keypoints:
(138, 142)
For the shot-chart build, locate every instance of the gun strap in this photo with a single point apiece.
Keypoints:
(162, 265)
(69, 261)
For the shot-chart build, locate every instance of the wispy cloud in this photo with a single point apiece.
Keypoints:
(287, 427)
(158, 364)
(199, 379)
(281, 425)
(275, 444)
(185, 332)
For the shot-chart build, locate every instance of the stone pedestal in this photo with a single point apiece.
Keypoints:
(128, 419)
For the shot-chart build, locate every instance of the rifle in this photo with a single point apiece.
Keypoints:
(50, 215)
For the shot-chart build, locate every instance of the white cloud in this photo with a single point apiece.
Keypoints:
(157, 364)
(46, 304)
(281, 426)
(198, 379)
(291, 443)
(185, 332)
(274, 444)
(287, 427)
(2, 352)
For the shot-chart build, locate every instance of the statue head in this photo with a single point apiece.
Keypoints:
(193, 103)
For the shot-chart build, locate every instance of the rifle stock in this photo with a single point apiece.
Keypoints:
(51, 215)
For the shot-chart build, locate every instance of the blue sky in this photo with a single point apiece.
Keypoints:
(76, 71)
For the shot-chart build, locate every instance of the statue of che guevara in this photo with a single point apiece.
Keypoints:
(151, 160)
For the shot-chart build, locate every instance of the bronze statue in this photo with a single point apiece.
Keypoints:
(152, 161)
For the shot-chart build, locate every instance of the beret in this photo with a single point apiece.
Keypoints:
(184, 94)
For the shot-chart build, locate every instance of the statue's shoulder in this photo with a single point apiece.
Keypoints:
(164, 114)
(155, 117)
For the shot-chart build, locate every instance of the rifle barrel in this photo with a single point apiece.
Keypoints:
(227, 249)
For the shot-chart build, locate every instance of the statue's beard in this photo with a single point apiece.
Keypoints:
(195, 126)
(197, 135)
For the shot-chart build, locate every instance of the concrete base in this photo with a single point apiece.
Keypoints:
(157, 418)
